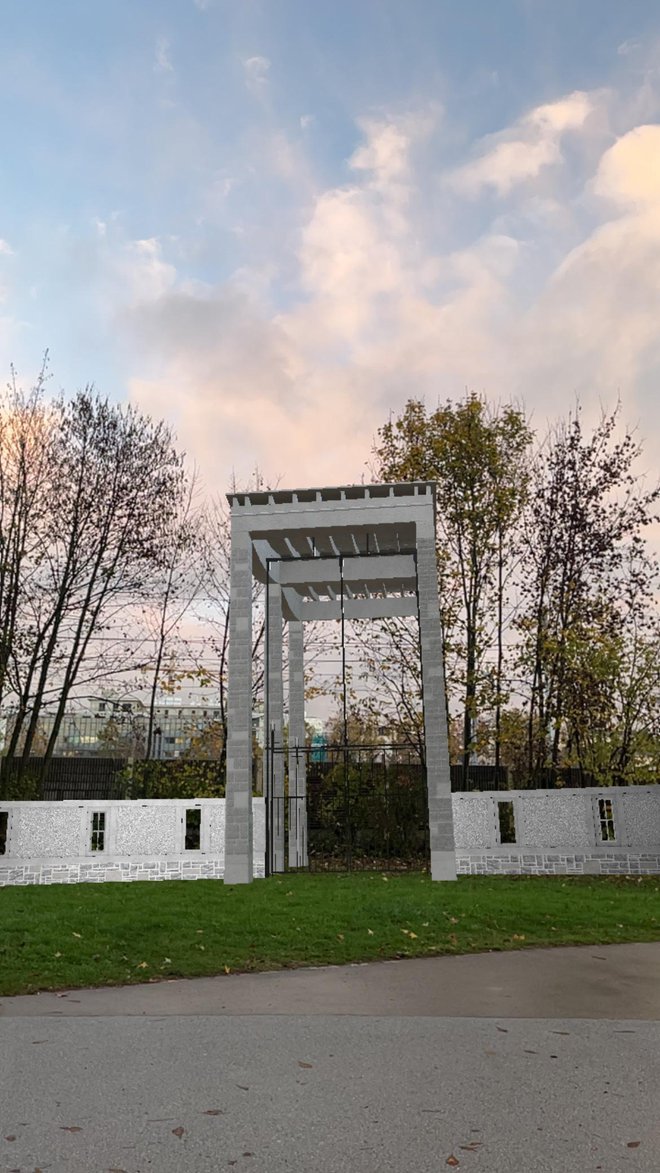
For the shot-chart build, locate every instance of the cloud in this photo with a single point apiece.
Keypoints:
(257, 71)
(629, 172)
(627, 47)
(162, 61)
(541, 303)
(521, 153)
(5, 249)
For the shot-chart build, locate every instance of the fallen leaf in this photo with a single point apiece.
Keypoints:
(472, 1146)
(412, 935)
(167, 961)
(386, 877)
(518, 937)
(340, 936)
(633, 1144)
(503, 1029)
(301, 1064)
(252, 1154)
(70, 1128)
(77, 935)
(425, 924)
(213, 1112)
(199, 930)
(142, 965)
(10, 1138)
(202, 947)
(35, 1042)
(242, 1087)
(57, 955)
(370, 932)
(227, 969)
(560, 1032)
(178, 1131)
(453, 1161)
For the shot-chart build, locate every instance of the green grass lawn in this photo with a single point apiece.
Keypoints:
(63, 936)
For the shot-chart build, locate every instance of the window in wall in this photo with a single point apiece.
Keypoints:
(507, 822)
(98, 831)
(606, 819)
(193, 829)
(4, 821)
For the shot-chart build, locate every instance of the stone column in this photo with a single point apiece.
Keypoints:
(238, 802)
(273, 723)
(297, 756)
(441, 826)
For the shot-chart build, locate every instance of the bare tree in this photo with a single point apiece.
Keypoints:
(113, 474)
(174, 589)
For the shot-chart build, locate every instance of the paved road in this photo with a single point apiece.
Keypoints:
(544, 1061)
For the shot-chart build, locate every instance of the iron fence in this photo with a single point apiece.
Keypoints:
(366, 809)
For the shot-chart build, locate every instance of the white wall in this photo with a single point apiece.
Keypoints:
(557, 831)
(51, 841)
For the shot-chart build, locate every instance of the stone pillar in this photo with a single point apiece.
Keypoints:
(297, 756)
(273, 723)
(238, 802)
(441, 826)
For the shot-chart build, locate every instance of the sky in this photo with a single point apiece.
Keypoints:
(271, 222)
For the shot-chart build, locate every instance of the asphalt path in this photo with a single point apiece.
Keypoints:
(539, 1061)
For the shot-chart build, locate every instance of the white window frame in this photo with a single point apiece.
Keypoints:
(617, 821)
(89, 826)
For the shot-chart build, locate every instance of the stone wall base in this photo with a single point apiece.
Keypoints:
(557, 863)
(82, 872)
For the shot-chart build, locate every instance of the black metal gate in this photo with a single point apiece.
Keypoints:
(365, 808)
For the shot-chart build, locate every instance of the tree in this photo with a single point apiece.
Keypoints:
(26, 461)
(178, 582)
(478, 457)
(584, 524)
(112, 475)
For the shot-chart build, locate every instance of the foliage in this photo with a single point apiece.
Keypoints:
(478, 458)
(588, 587)
(173, 779)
